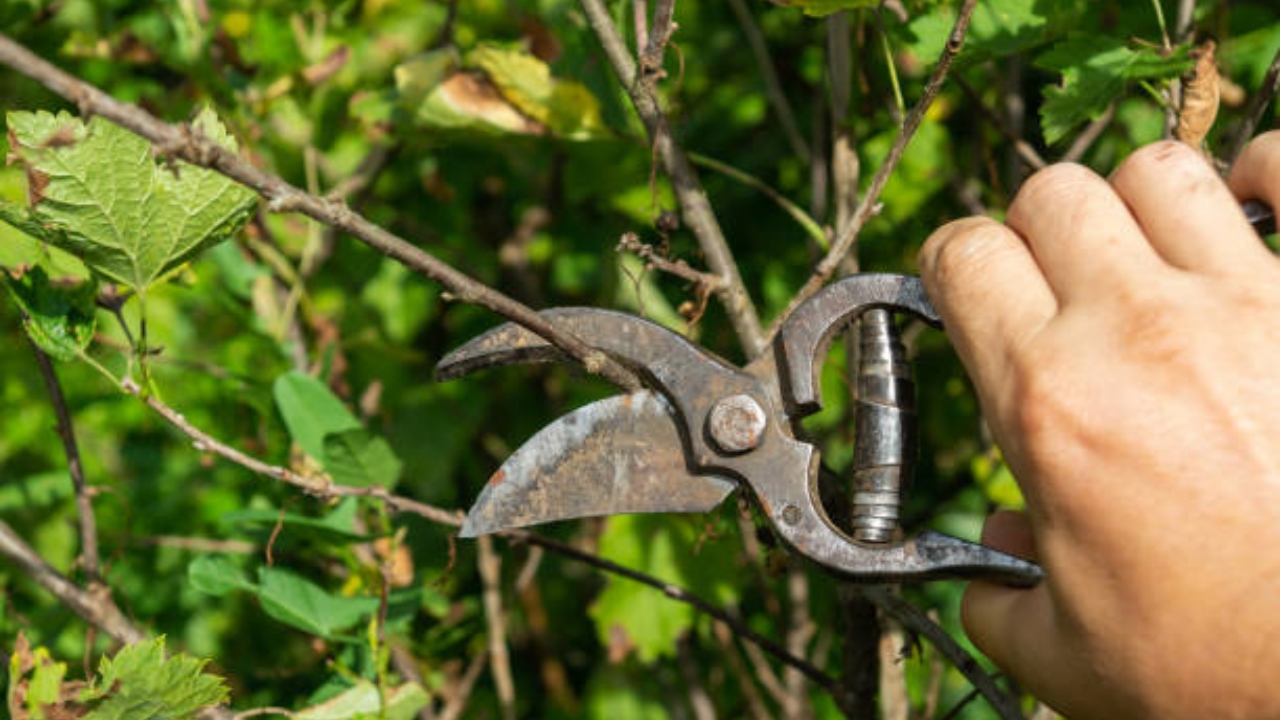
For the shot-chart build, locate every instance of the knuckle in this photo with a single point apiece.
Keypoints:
(1160, 161)
(1053, 187)
(963, 249)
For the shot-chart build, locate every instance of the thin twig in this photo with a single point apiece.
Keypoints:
(697, 212)
(1258, 105)
(1089, 135)
(198, 544)
(699, 699)
(750, 693)
(490, 566)
(256, 712)
(457, 702)
(96, 607)
(189, 144)
(800, 629)
(1025, 151)
(773, 86)
(869, 204)
(803, 218)
(67, 434)
(630, 242)
(915, 620)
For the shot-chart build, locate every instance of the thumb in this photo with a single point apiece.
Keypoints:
(1011, 625)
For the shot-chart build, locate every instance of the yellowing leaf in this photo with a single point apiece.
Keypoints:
(96, 192)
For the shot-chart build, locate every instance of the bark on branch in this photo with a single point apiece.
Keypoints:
(187, 143)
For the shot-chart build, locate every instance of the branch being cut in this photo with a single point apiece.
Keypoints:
(915, 620)
(869, 204)
(697, 212)
(186, 143)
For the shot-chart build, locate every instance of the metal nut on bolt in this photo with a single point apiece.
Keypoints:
(736, 424)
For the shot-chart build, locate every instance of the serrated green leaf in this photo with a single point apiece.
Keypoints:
(59, 318)
(1095, 71)
(310, 411)
(140, 683)
(217, 575)
(45, 686)
(997, 28)
(403, 703)
(98, 193)
(296, 601)
(358, 457)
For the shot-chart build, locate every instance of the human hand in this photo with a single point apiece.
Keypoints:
(1124, 339)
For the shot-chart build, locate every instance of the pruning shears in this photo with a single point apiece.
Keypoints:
(704, 427)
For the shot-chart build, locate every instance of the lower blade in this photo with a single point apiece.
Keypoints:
(619, 455)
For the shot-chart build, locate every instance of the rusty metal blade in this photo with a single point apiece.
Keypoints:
(619, 455)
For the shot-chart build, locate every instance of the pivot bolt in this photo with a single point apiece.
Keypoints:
(736, 424)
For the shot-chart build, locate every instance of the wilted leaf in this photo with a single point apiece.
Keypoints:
(1095, 70)
(358, 457)
(567, 108)
(310, 411)
(403, 703)
(97, 193)
(59, 318)
(140, 683)
(1201, 92)
(296, 601)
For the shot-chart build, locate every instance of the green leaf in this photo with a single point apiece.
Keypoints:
(1095, 71)
(333, 527)
(403, 703)
(631, 616)
(358, 457)
(97, 192)
(45, 687)
(140, 683)
(997, 28)
(296, 601)
(822, 8)
(310, 411)
(59, 318)
(217, 575)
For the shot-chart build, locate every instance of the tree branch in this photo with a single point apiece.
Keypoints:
(187, 143)
(697, 212)
(914, 619)
(773, 86)
(1258, 105)
(67, 434)
(490, 567)
(869, 204)
(95, 606)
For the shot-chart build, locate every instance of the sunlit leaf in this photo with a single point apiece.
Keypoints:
(59, 318)
(402, 703)
(97, 192)
(141, 683)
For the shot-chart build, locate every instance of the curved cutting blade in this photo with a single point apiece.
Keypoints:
(619, 455)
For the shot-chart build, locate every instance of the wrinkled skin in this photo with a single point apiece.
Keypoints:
(1123, 334)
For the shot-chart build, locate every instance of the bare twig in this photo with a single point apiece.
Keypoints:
(630, 242)
(915, 620)
(773, 86)
(697, 212)
(659, 35)
(96, 606)
(1025, 151)
(801, 217)
(800, 629)
(1258, 105)
(1089, 135)
(198, 544)
(895, 704)
(67, 434)
(258, 712)
(457, 702)
(868, 206)
(750, 693)
(189, 144)
(699, 699)
(490, 566)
